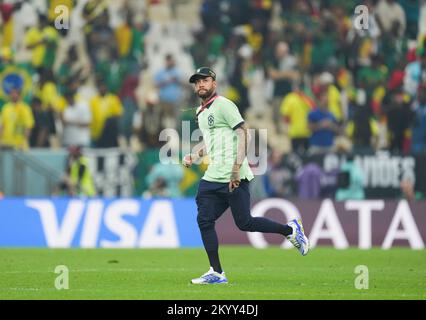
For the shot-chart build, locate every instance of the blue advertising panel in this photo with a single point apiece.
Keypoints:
(97, 223)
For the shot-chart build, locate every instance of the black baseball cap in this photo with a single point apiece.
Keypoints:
(202, 72)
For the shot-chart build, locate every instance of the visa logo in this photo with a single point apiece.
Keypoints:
(96, 213)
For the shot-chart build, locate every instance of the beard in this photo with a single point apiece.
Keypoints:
(206, 94)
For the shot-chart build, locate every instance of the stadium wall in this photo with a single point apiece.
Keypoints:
(165, 223)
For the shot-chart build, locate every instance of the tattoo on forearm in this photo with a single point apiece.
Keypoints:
(242, 147)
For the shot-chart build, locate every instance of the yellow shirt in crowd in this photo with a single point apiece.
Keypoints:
(102, 109)
(350, 128)
(15, 120)
(34, 36)
(334, 102)
(50, 97)
(7, 40)
(296, 107)
(123, 35)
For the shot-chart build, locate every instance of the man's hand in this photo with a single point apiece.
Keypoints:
(188, 160)
(235, 178)
(198, 153)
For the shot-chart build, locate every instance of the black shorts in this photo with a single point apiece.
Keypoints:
(214, 198)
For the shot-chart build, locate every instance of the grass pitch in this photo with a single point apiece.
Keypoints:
(325, 273)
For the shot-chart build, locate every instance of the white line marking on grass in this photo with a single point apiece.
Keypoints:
(104, 270)
(23, 289)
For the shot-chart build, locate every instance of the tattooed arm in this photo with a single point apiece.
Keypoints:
(243, 142)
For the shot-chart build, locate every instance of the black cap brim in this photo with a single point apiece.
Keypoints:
(197, 76)
(203, 72)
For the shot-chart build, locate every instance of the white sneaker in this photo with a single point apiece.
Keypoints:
(298, 238)
(210, 277)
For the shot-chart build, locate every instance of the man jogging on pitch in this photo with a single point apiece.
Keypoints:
(226, 182)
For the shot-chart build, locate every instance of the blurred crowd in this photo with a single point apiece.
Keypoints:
(329, 77)
(325, 82)
(58, 91)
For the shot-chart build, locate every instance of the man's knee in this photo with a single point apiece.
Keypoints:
(205, 223)
(245, 224)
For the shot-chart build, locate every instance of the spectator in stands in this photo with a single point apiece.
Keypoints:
(6, 12)
(42, 40)
(104, 52)
(148, 123)
(239, 64)
(389, 14)
(164, 179)
(70, 70)
(130, 37)
(76, 120)
(51, 102)
(93, 11)
(325, 83)
(199, 49)
(413, 13)
(415, 74)
(130, 105)
(396, 78)
(105, 60)
(282, 70)
(169, 83)
(323, 126)
(309, 181)
(16, 122)
(363, 131)
(77, 180)
(214, 44)
(350, 181)
(394, 43)
(106, 108)
(295, 108)
(9, 67)
(39, 137)
(373, 79)
(209, 12)
(323, 38)
(6, 57)
(399, 119)
(418, 143)
(98, 33)
(156, 189)
(277, 177)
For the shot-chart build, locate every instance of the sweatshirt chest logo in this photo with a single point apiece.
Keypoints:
(210, 120)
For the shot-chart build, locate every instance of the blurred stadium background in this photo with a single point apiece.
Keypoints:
(87, 86)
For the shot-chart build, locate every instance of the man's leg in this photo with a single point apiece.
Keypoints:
(211, 206)
(239, 201)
